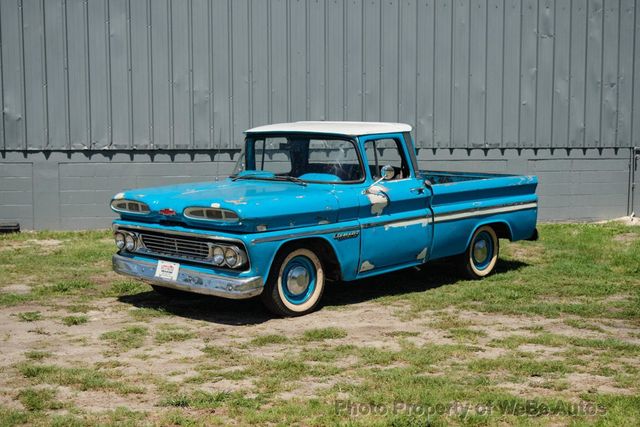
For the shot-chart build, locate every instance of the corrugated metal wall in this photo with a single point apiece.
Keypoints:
(193, 74)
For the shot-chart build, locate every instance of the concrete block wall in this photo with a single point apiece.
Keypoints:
(72, 190)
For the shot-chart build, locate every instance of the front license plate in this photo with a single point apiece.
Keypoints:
(167, 270)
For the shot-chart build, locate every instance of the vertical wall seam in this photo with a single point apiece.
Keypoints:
(504, 6)
(212, 93)
(325, 62)
(399, 104)
(602, 47)
(467, 142)
(363, 65)
(230, 71)
(108, 70)
(519, 79)
(3, 144)
(553, 70)
(250, 60)
(65, 48)
(433, 78)
(568, 138)
(131, 143)
(288, 57)
(380, 69)
(486, 71)
(192, 132)
(586, 56)
(170, 70)
(615, 138)
(344, 61)
(415, 110)
(150, 73)
(535, 90)
(23, 72)
(87, 80)
(632, 142)
(452, 81)
(270, 62)
(307, 60)
(45, 83)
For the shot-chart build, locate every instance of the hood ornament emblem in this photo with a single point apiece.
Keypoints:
(167, 212)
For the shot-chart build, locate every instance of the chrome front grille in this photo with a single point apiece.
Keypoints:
(174, 246)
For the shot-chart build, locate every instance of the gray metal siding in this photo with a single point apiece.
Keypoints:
(193, 74)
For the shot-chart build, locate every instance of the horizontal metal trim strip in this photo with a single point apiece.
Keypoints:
(468, 213)
(303, 234)
(399, 222)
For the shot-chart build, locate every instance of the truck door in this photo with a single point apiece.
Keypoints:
(394, 214)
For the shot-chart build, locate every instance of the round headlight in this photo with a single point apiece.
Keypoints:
(119, 238)
(218, 255)
(231, 257)
(130, 243)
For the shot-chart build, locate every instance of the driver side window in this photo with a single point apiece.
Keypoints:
(381, 152)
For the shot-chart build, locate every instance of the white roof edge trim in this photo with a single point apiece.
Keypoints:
(337, 128)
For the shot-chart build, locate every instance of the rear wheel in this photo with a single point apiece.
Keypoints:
(296, 282)
(482, 254)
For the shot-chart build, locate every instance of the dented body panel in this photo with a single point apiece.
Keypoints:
(368, 227)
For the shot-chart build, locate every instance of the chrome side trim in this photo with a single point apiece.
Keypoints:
(468, 213)
(422, 219)
(304, 234)
(190, 280)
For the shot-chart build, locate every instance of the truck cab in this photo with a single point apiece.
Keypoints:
(310, 202)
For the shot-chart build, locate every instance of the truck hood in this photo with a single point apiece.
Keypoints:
(261, 205)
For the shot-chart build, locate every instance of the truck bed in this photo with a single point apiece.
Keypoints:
(463, 201)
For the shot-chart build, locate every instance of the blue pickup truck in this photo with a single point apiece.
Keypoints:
(310, 202)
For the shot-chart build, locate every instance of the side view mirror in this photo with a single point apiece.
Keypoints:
(387, 172)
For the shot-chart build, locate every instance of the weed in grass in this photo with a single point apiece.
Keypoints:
(122, 288)
(466, 334)
(39, 399)
(75, 320)
(82, 378)
(263, 340)
(30, 316)
(583, 324)
(199, 399)
(37, 355)
(12, 417)
(401, 334)
(321, 334)
(142, 314)
(169, 333)
(126, 338)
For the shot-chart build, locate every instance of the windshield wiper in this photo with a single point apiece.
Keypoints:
(290, 179)
(269, 178)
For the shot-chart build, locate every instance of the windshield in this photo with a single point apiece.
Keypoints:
(306, 158)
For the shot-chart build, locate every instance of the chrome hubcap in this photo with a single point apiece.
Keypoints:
(480, 251)
(297, 280)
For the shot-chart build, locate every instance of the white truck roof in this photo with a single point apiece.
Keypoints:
(336, 128)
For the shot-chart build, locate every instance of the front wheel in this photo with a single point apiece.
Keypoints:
(482, 254)
(295, 284)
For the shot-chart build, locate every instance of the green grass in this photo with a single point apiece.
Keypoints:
(574, 295)
(74, 320)
(127, 338)
(263, 340)
(81, 378)
(322, 334)
(169, 333)
(30, 316)
(39, 399)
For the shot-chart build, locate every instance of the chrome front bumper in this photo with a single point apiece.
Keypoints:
(190, 280)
